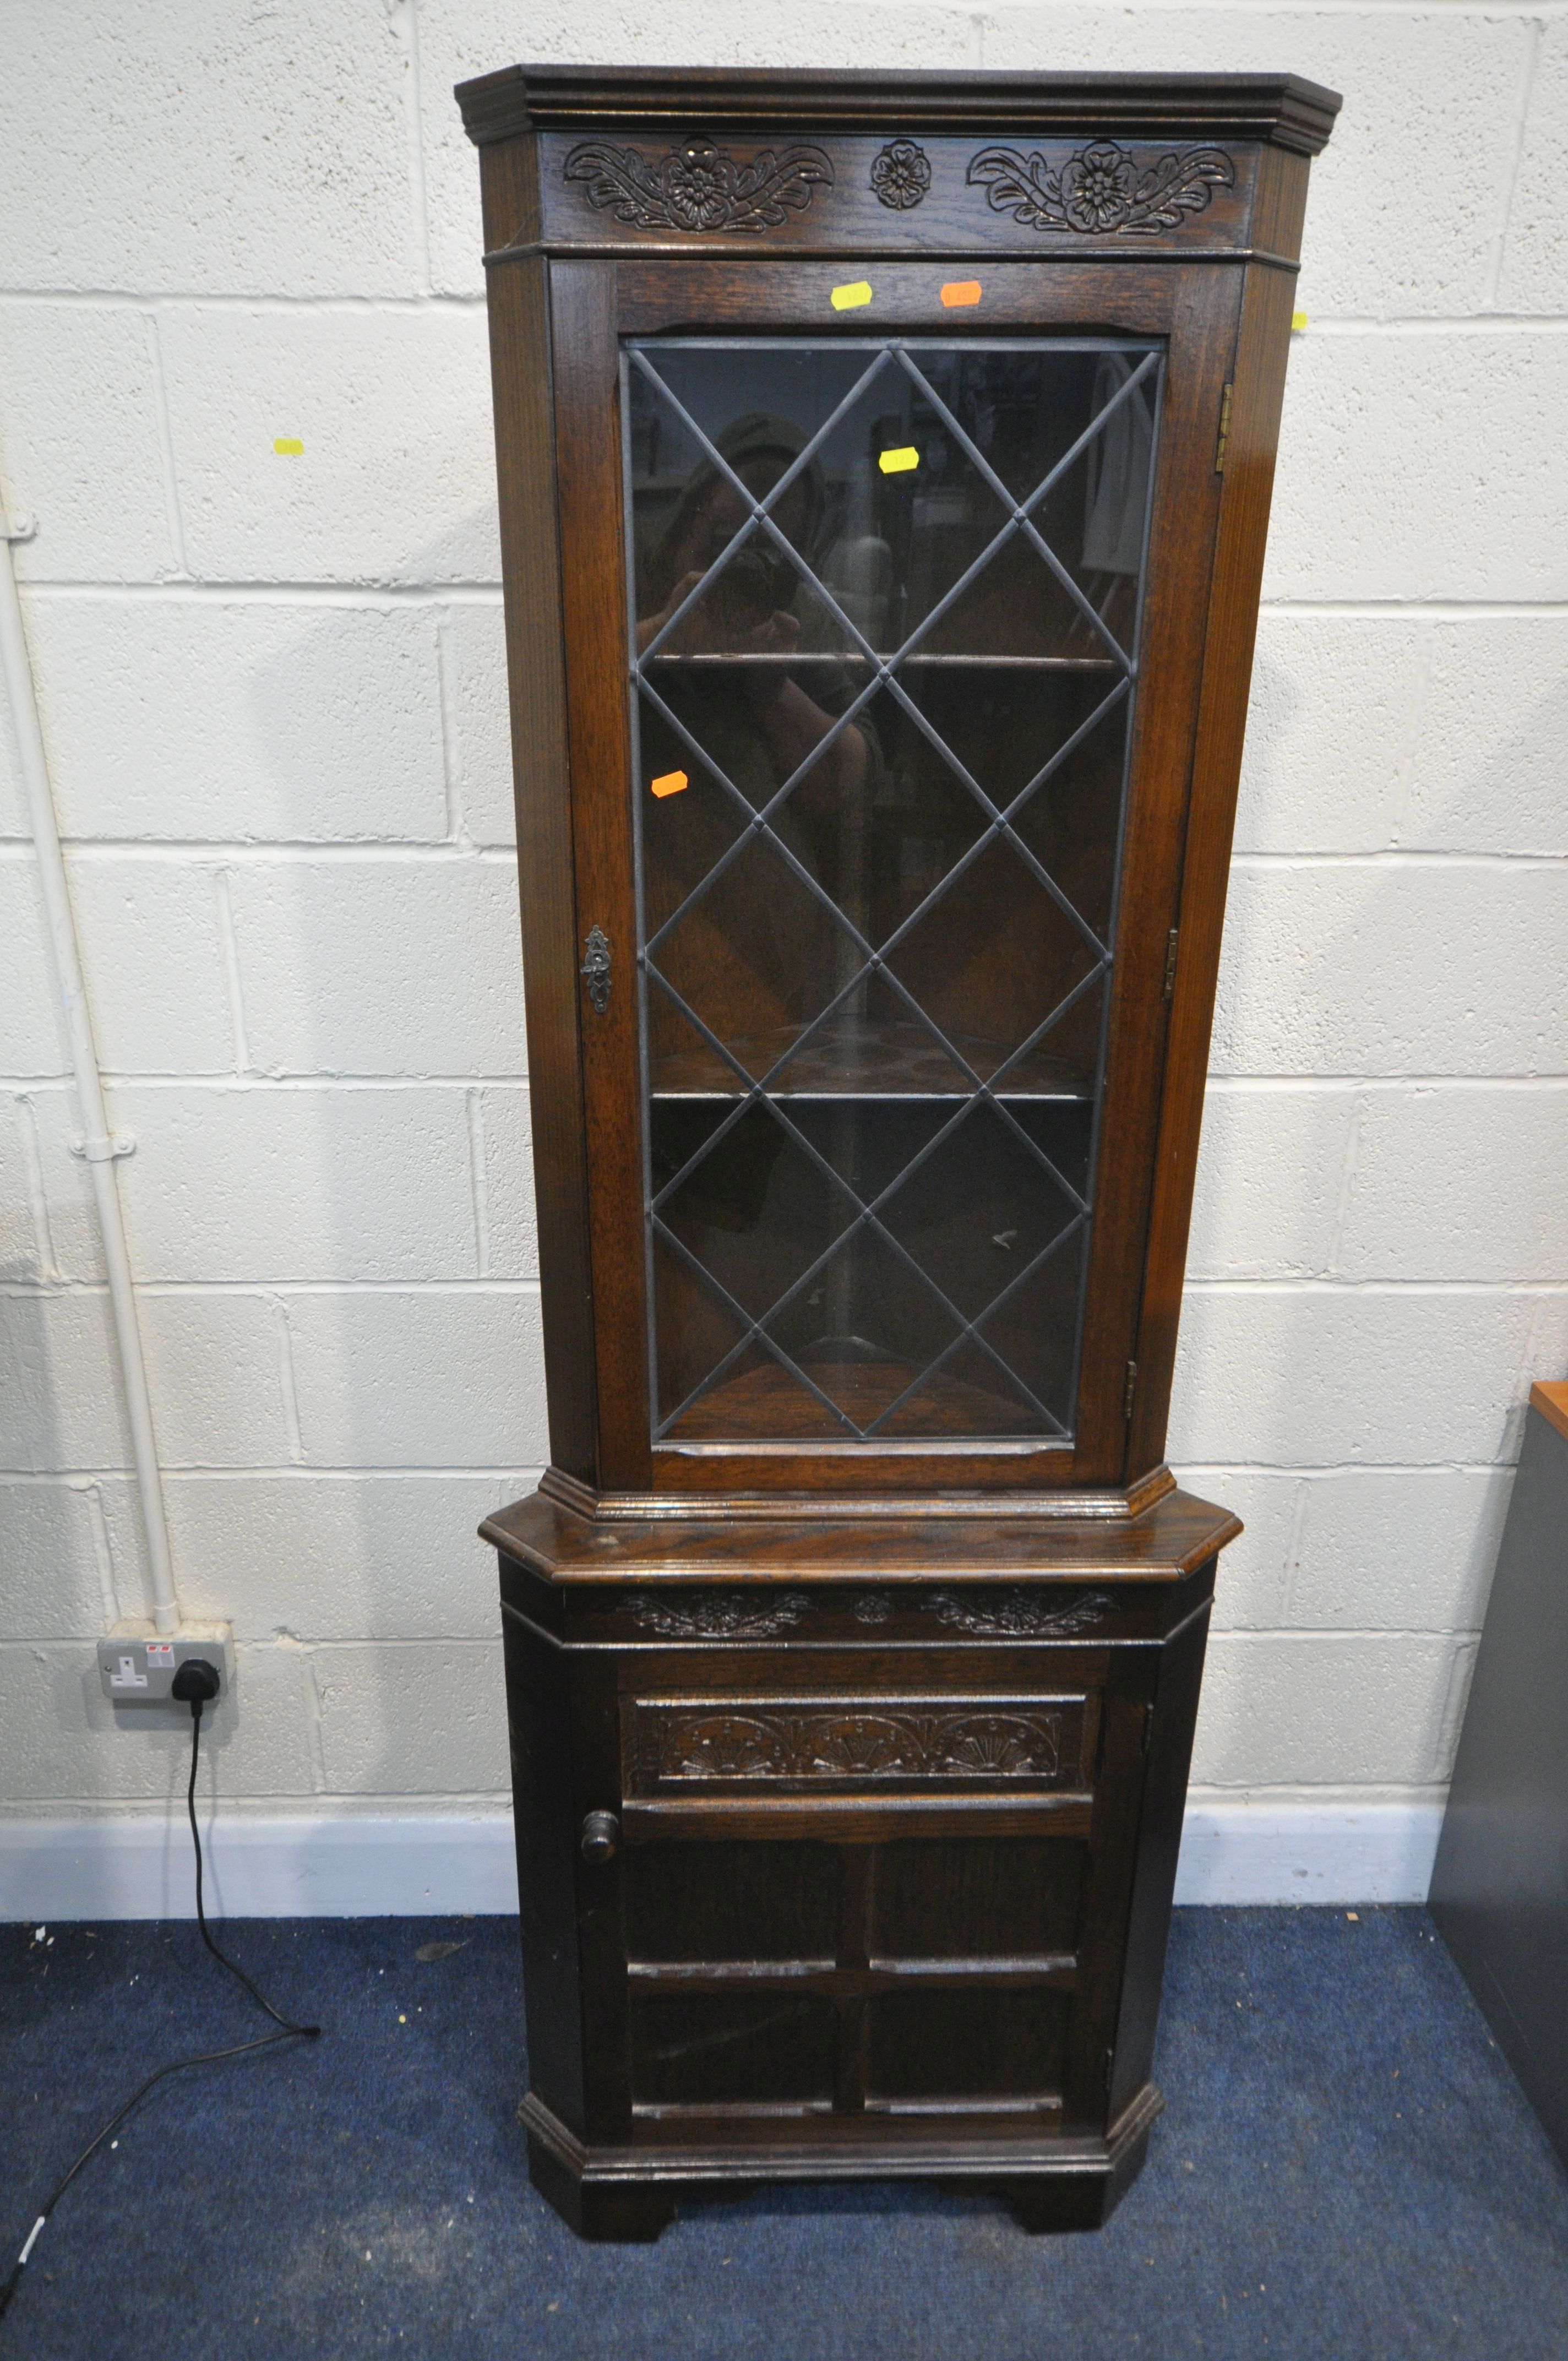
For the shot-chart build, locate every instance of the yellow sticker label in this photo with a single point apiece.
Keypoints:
(961, 290)
(289, 446)
(898, 463)
(670, 783)
(851, 298)
(1298, 322)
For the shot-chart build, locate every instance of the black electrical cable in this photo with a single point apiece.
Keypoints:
(260, 1998)
(188, 1686)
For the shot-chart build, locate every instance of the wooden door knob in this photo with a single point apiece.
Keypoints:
(601, 1837)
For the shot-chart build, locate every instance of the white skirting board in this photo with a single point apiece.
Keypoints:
(357, 1865)
(1308, 1853)
(352, 1865)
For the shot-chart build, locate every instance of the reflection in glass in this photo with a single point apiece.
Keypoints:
(882, 718)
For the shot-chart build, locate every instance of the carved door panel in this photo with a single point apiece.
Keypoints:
(871, 1908)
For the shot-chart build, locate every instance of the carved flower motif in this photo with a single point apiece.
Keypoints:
(862, 1746)
(901, 174)
(699, 185)
(730, 1746)
(1097, 187)
(1004, 1747)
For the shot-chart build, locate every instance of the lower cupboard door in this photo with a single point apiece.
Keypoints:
(897, 1974)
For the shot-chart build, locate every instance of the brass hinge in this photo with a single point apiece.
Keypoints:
(1225, 430)
(1110, 2071)
(1148, 1727)
(1129, 1390)
(1170, 963)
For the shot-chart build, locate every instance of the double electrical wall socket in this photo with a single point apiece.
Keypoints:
(137, 1662)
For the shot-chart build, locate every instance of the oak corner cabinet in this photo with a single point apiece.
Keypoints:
(884, 466)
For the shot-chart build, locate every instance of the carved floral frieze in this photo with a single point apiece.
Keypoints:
(722, 1615)
(1022, 1615)
(1101, 189)
(698, 187)
(746, 1615)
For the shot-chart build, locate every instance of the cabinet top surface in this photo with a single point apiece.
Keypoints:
(1166, 1543)
(1283, 109)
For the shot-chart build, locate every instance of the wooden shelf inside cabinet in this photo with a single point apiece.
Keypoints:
(884, 464)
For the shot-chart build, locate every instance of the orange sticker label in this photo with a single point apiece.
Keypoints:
(961, 290)
(671, 783)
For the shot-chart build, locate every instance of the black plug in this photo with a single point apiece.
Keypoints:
(195, 1684)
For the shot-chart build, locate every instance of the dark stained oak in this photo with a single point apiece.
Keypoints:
(530, 559)
(1172, 1537)
(850, 1767)
(1283, 108)
(1261, 348)
(594, 636)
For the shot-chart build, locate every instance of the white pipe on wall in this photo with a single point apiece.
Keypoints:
(99, 1147)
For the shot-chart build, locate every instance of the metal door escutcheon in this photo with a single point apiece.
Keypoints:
(596, 967)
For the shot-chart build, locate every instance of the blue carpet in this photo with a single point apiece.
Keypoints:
(1347, 2169)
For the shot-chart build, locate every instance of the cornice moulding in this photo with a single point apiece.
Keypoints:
(1281, 109)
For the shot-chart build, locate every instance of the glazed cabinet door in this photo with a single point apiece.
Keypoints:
(873, 843)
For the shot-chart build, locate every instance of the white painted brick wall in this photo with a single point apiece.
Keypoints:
(380, 965)
(273, 698)
(66, 1743)
(1427, 965)
(224, 149)
(83, 440)
(413, 1718)
(34, 1036)
(1367, 1709)
(67, 1546)
(245, 1183)
(1323, 1376)
(1418, 464)
(396, 482)
(432, 1377)
(214, 1360)
(175, 717)
(351, 1555)
(473, 652)
(151, 929)
(55, 1207)
(1531, 278)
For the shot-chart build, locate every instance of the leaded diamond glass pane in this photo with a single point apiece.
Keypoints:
(756, 956)
(1032, 1329)
(991, 957)
(979, 1208)
(696, 1330)
(969, 1394)
(755, 1208)
(886, 597)
(865, 1326)
(758, 1393)
(1002, 725)
(872, 1045)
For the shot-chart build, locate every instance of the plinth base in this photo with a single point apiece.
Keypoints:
(629, 2194)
